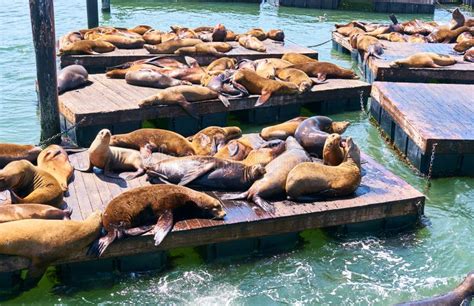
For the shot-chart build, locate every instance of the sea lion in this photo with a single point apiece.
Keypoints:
(464, 36)
(230, 36)
(103, 156)
(163, 141)
(463, 46)
(370, 45)
(295, 76)
(141, 29)
(72, 77)
(119, 41)
(445, 35)
(193, 74)
(252, 140)
(315, 179)
(424, 60)
(10, 152)
(222, 84)
(457, 20)
(203, 29)
(45, 241)
(258, 85)
(312, 133)
(252, 43)
(153, 37)
(132, 212)
(206, 171)
(265, 154)
(17, 212)
(54, 160)
(275, 34)
(347, 31)
(88, 47)
(393, 36)
(297, 58)
(217, 49)
(29, 184)
(160, 64)
(70, 38)
(152, 78)
(219, 33)
(235, 149)
(326, 70)
(184, 33)
(222, 64)
(333, 153)
(171, 46)
(265, 70)
(416, 38)
(257, 33)
(469, 55)
(282, 130)
(209, 140)
(273, 182)
(418, 27)
(277, 63)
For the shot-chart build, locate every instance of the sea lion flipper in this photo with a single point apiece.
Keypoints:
(263, 98)
(137, 231)
(187, 107)
(89, 166)
(239, 196)
(224, 100)
(14, 198)
(36, 271)
(99, 246)
(263, 204)
(192, 63)
(163, 226)
(195, 173)
(135, 174)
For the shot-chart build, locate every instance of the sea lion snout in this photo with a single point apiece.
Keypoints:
(105, 134)
(340, 127)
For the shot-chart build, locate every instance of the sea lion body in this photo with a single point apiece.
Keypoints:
(315, 179)
(171, 46)
(235, 149)
(10, 152)
(219, 33)
(265, 70)
(275, 34)
(252, 43)
(257, 33)
(463, 46)
(277, 63)
(206, 48)
(469, 55)
(193, 74)
(424, 60)
(393, 36)
(297, 58)
(295, 76)
(464, 36)
(88, 47)
(152, 78)
(209, 140)
(17, 212)
(445, 35)
(221, 64)
(368, 44)
(72, 77)
(282, 130)
(153, 37)
(417, 38)
(141, 29)
(70, 38)
(119, 41)
(333, 153)
(265, 154)
(330, 70)
(55, 160)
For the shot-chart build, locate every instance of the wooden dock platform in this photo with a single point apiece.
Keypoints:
(382, 197)
(418, 116)
(98, 63)
(113, 104)
(376, 69)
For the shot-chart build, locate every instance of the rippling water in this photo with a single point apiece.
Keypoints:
(328, 268)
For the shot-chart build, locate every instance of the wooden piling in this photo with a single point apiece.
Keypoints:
(42, 24)
(92, 13)
(106, 6)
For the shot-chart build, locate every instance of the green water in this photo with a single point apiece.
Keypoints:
(360, 269)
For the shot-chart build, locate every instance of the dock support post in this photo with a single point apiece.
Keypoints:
(106, 6)
(42, 24)
(92, 13)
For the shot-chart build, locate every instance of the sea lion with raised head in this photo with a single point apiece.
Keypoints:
(171, 46)
(457, 20)
(143, 209)
(333, 153)
(219, 33)
(72, 77)
(88, 47)
(10, 152)
(326, 70)
(209, 140)
(297, 58)
(152, 78)
(9, 212)
(276, 34)
(314, 179)
(424, 60)
(252, 43)
(55, 160)
(282, 130)
(265, 154)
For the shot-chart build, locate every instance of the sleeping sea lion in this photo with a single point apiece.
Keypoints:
(282, 130)
(265, 154)
(469, 55)
(222, 84)
(326, 70)
(347, 31)
(230, 36)
(171, 46)
(297, 58)
(29, 184)
(295, 76)
(333, 153)
(160, 64)
(446, 36)
(88, 47)
(17, 212)
(217, 49)
(10, 152)
(152, 78)
(265, 70)
(252, 140)
(277, 63)
(463, 46)
(69, 38)
(142, 209)
(72, 77)
(45, 241)
(257, 33)
(153, 37)
(209, 140)
(275, 34)
(424, 60)
(193, 74)
(393, 36)
(370, 45)
(464, 36)
(103, 156)
(141, 29)
(315, 179)
(252, 43)
(235, 149)
(54, 160)
(219, 33)
(417, 38)
(119, 41)
(163, 141)
(273, 182)
(222, 64)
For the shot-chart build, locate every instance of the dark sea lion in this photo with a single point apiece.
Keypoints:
(370, 45)
(312, 133)
(207, 172)
(153, 37)
(252, 43)
(273, 182)
(140, 29)
(103, 156)
(463, 292)
(219, 33)
(424, 60)
(457, 20)
(152, 78)
(295, 76)
(10, 152)
(88, 47)
(282, 130)
(29, 184)
(469, 55)
(163, 141)
(333, 153)
(265, 154)
(17, 212)
(54, 160)
(297, 58)
(72, 77)
(463, 46)
(209, 140)
(45, 241)
(222, 84)
(221, 64)
(329, 70)
(171, 46)
(257, 33)
(234, 150)
(445, 35)
(217, 49)
(142, 209)
(275, 34)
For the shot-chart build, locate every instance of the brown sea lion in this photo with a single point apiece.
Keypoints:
(103, 156)
(273, 182)
(393, 36)
(54, 160)
(464, 36)
(252, 43)
(203, 29)
(370, 45)
(457, 20)
(258, 85)
(72, 77)
(193, 74)
(119, 41)
(160, 64)
(295, 76)
(265, 154)
(312, 133)
(277, 63)
(209, 140)
(252, 140)
(349, 30)
(45, 241)
(326, 70)
(234, 150)
(257, 33)
(424, 60)
(297, 58)
(153, 37)
(206, 48)
(265, 69)
(163, 141)
(333, 153)
(17, 212)
(152, 78)
(417, 38)
(219, 33)
(184, 33)
(206, 171)
(314, 179)
(277, 35)
(10, 152)
(469, 55)
(142, 209)
(282, 130)
(463, 46)
(29, 184)
(88, 47)
(230, 36)
(221, 64)
(168, 36)
(170, 46)
(141, 29)
(445, 35)
(418, 27)
(70, 38)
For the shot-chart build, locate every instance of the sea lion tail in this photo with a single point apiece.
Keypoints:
(224, 100)
(239, 196)
(263, 204)
(263, 98)
(188, 108)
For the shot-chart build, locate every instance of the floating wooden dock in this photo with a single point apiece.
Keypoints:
(113, 104)
(417, 117)
(376, 69)
(382, 198)
(99, 62)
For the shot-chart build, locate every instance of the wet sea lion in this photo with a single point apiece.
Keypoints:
(152, 78)
(163, 141)
(153, 37)
(29, 184)
(275, 34)
(72, 77)
(370, 45)
(333, 153)
(171, 46)
(45, 241)
(10, 152)
(103, 156)
(463, 46)
(219, 33)
(297, 58)
(424, 60)
(17, 212)
(221, 64)
(314, 179)
(54, 160)
(273, 182)
(252, 43)
(235, 149)
(206, 48)
(265, 154)
(445, 35)
(326, 70)
(142, 209)
(140, 29)
(88, 47)
(257, 33)
(312, 133)
(295, 76)
(469, 55)
(209, 140)
(282, 130)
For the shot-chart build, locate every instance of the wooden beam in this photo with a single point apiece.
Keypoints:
(92, 13)
(42, 24)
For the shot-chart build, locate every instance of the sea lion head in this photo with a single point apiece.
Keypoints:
(339, 127)
(104, 136)
(210, 206)
(13, 174)
(352, 151)
(333, 140)
(255, 172)
(292, 143)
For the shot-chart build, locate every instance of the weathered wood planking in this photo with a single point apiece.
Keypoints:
(382, 195)
(101, 61)
(416, 116)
